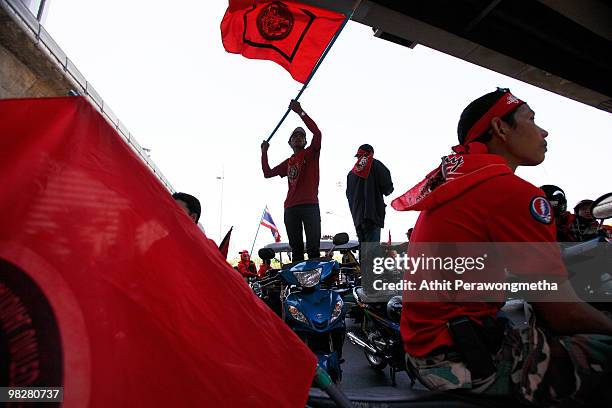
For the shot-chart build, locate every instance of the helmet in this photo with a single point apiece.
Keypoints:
(394, 308)
(582, 210)
(556, 196)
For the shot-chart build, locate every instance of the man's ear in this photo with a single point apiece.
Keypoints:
(194, 217)
(499, 128)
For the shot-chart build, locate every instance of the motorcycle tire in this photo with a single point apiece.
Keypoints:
(376, 362)
(335, 376)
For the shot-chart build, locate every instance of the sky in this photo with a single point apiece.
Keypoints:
(203, 113)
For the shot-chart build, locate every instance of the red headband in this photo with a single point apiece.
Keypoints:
(506, 104)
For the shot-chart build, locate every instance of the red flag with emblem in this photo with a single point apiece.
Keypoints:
(293, 35)
(109, 289)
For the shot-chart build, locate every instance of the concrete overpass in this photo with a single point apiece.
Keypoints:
(563, 46)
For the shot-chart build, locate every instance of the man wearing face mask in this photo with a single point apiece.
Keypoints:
(302, 172)
(584, 226)
(366, 184)
(246, 267)
(563, 218)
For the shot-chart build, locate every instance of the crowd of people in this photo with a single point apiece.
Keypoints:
(564, 355)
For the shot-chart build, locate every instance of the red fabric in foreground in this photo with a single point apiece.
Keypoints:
(291, 34)
(149, 312)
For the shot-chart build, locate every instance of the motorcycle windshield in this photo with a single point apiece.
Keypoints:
(308, 273)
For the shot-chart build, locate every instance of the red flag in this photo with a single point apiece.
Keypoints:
(109, 290)
(224, 245)
(291, 34)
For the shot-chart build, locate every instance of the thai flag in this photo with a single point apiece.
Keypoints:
(268, 222)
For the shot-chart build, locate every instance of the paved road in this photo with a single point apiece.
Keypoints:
(357, 373)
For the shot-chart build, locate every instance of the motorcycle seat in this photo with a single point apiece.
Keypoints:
(379, 298)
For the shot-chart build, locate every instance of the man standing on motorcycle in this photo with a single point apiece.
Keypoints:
(302, 172)
(366, 184)
(564, 357)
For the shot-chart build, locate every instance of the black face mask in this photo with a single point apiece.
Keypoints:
(559, 206)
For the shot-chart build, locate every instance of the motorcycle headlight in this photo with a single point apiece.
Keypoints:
(308, 279)
(297, 315)
(337, 310)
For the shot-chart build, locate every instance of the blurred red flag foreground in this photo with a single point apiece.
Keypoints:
(291, 34)
(108, 289)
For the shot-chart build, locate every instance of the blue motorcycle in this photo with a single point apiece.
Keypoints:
(313, 310)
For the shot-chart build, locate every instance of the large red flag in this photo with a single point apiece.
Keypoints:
(108, 289)
(291, 34)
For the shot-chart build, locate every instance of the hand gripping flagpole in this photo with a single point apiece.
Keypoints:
(258, 226)
(331, 43)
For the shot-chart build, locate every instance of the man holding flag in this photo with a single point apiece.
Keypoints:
(296, 36)
(302, 172)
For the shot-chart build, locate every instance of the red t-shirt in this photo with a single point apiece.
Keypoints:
(301, 170)
(504, 208)
(247, 268)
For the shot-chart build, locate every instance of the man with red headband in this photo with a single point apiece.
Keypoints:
(474, 196)
(302, 172)
(366, 184)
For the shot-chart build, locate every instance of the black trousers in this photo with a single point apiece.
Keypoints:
(308, 216)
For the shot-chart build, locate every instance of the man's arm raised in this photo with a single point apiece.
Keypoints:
(310, 124)
(280, 170)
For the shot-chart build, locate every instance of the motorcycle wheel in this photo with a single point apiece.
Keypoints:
(376, 362)
(335, 376)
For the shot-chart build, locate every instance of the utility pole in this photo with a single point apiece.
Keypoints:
(222, 178)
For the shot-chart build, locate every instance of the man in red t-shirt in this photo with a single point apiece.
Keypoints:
(474, 196)
(302, 172)
(245, 266)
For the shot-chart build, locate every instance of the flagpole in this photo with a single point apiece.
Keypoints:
(317, 65)
(258, 226)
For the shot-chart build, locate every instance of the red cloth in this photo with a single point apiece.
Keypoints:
(504, 105)
(291, 34)
(149, 312)
(481, 201)
(565, 230)
(247, 268)
(263, 268)
(448, 180)
(364, 164)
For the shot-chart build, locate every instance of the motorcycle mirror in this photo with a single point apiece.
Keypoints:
(602, 207)
(341, 238)
(266, 253)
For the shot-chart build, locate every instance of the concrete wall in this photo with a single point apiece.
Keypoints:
(25, 69)
(19, 81)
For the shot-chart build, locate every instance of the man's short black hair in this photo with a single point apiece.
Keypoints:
(193, 204)
(476, 110)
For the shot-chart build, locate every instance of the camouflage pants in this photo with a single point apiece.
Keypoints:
(535, 367)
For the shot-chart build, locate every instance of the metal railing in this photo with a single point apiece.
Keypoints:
(43, 40)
